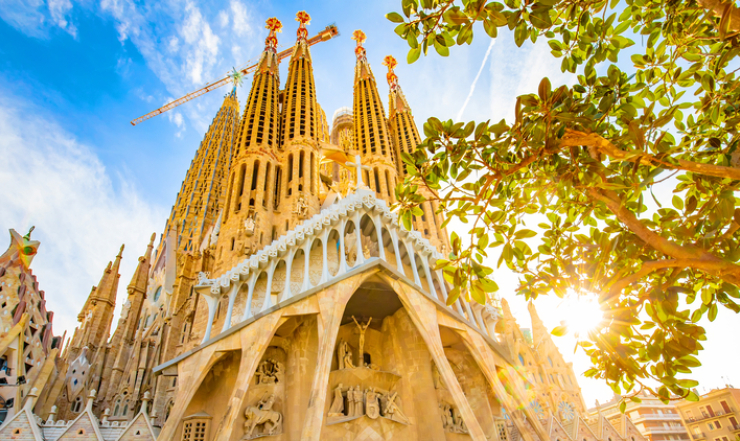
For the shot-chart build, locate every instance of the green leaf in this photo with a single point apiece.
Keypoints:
(559, 331)
(413, 55)
(394, 17)
(677, 202)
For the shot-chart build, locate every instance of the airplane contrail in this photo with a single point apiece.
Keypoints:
(475, 81)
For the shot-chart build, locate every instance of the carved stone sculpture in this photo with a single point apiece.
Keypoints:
(344, 356)
(250, 223)
(301, 208)
(362, 329)
(269, 372)
(452, 420)
(391, 408)
(337, 404)
(262, 417)
(372, 407)
(359, 401)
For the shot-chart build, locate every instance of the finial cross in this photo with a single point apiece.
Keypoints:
(358, 165)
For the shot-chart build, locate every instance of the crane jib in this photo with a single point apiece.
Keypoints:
(325, 35)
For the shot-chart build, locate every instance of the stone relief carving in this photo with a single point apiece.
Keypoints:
(250, 222)
(270, 371)
(301, 208)
(261, 420)
(337, 404)
(451, 419)
(344, 355)
(354, 403)
(369, 247)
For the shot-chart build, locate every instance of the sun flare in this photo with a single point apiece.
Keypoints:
(581, 313)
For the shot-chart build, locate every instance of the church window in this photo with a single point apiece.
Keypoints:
(300, 164)
(125, 408)
(77, 405)
(377, 180)
(521, 359)
(117, 408)
(549, 360)
(240, 185)
(255, 174)
(278, 185)
(157, 293)
(311, 166)
(388, 183)
(195, 430)
(266, 187)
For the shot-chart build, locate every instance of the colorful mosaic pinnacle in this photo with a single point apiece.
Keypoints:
(22, 248)
(275, 26)
(391, 63)
(303, 19)
(360, 38)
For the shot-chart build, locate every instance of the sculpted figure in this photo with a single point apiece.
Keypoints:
(362, 330)
(448, 423)
(359, 402)
(391, 408)
(371, 403)
(262, 415)
(348, 364)
(351, 408)
(337, 405)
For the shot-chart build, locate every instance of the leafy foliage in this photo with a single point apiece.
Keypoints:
(584, 163)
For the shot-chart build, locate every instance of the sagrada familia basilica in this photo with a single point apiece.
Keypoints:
(284, 301)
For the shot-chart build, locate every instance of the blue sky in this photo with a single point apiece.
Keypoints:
(74, 73)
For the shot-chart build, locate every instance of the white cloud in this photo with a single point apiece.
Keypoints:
(239, 14)
(82, 215)
(223, 19)
(203, 52)
(59, 10)
(36, 17)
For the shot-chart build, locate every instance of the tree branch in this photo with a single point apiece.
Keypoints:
(718, 8)
(574, 138)
(699, 258)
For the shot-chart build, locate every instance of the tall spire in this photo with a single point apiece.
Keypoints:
(405, 137)
(201, 195)
(300, 115)
(401, 123)
(97, 313)
(259, 126)
(370, 127)
(250, 199)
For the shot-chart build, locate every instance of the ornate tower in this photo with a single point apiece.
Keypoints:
(555, 374)
(97, 313)
(372, 139)
(85, 357)
(27, 345)
(405, 136)
(253, 194)
(303, 127)
(120, 346)
(200, 199)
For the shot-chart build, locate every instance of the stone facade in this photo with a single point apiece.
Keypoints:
(284, 301)
(715, 417)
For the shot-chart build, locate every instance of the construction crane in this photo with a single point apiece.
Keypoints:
(330, 32)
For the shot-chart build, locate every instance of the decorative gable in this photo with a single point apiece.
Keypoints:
(21, 426)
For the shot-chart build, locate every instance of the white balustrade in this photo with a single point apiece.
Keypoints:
(362, 205)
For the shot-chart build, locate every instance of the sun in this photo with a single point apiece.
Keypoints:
(581, 313)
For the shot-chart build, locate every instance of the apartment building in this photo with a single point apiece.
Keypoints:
(655, 420)
(714, 417)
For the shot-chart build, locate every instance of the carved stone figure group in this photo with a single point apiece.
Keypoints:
(261, 420)
(452, 420)
(354, 402)
(269, 371)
